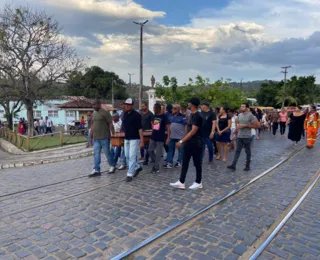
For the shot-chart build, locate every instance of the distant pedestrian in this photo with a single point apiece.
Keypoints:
(133, 139)
(296, 125)
(246, 121)
(283, 120)
(193, 145)
(48, 125)
(101, 129)
(36, 126)
(158, 138)
(275, 119)
(43, 126)
(312, 125)
(224, 133)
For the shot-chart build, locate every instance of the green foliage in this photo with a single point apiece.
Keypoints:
(96, 83)
(299, 91)
(217, 93)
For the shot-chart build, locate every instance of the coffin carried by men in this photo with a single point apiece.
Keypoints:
(118, 138)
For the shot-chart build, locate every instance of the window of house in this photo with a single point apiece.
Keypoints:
(53, 113)
(36, 113)
(71, 113)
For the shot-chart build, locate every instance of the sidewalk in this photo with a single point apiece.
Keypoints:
(18, 158)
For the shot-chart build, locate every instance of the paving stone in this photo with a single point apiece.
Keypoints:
(76, 252)
(62, 255)
(239, 249)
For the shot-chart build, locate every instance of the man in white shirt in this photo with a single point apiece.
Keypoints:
(43, 126)
(49, 125)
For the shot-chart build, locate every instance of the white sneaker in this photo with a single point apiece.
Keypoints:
(122, 167)
(196, 186)
(112, 169)
(93, 171)
(178, 185)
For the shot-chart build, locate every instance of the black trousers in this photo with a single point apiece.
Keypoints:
(192, 148)
(282, 128)
(246, 144)
(274, 128)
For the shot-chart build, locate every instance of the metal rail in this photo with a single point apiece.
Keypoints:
(197, 213)
(259, 250)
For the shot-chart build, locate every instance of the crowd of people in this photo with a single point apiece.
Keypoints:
(43, 126)
(189, 132)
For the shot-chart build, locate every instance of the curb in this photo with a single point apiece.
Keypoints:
(44, 161)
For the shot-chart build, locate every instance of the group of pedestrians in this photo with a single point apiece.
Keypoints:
(188, 132)
(43, 126)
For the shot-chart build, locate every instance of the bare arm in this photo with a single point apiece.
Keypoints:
(141, 138)
(214, 125)
(168, 134)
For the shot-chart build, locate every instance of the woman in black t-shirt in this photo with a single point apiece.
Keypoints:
(223, 138)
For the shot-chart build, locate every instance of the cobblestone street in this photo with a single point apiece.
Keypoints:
(54, 211)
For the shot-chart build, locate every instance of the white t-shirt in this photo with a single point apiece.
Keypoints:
(35, 124)
(49, 123)
(253, 132)
(42, 122)
(233, 122)
(117, 126)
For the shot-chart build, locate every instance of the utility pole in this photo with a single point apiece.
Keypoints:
(130, 79)
(285, 68)
(141, 60)
(241, 83)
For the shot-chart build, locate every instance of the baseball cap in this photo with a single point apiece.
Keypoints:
(206, 103)
(194, 101)
(129, 101)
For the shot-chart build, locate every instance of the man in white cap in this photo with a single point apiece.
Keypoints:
(133, 140)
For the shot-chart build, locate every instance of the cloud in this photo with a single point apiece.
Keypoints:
(248, 39)
(112, 9)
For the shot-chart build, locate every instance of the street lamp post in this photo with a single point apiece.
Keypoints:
(141, 60)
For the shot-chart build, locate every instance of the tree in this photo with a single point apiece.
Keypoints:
(96, 83)
(268, 93)
(217, 93)
(34, 57)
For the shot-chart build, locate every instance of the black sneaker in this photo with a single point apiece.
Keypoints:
(136, 173)
(94, 174)
(247, 169)
(177, 165)
(145, 163)
(232, 167)
(129, 179)
(155, 170)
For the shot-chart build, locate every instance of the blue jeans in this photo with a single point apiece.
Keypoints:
(208, 142)
(116, 153)
(171, 151)
(98, 145)
(123, 160)
(132, 148)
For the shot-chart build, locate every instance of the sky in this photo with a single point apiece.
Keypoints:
(235, 39)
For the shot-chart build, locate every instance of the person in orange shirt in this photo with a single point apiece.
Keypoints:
(311, 125)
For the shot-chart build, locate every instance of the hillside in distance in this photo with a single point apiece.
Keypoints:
(249, 86)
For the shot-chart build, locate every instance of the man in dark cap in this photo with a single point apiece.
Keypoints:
(193, 145)
(208, 128)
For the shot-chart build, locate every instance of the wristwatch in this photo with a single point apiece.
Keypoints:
(180, 141)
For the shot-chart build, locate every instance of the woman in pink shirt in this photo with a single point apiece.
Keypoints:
(283, 120)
